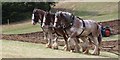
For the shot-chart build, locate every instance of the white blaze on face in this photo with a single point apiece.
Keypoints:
(43, 24)
(32, 18)
(55, 22)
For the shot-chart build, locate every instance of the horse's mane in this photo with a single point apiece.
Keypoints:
(39, 10)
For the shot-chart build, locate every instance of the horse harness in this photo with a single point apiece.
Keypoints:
(83, 26)
(71, 24)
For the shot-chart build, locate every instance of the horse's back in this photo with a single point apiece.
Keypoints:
(90, 23)
(91, 26)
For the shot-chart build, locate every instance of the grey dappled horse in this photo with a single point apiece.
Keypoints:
(87, 30)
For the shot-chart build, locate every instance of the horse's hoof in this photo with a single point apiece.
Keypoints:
(66, 49)
(72, 51)
(55, 46)
(85, 52)
(48, 46)
(76, 51)
(95, 53)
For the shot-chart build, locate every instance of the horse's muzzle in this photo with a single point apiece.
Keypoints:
(33, 22)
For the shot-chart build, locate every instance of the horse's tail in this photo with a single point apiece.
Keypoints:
(100, 35)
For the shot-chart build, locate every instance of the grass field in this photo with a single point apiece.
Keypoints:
(15, 49)
(20, 28)
(111, 38)
(99, 11)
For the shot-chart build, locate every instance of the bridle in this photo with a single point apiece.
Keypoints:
(40, 18)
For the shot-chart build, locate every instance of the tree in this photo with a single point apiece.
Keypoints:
(17, 11)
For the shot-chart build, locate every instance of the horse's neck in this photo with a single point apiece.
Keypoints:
(52, 17)
(42, 16)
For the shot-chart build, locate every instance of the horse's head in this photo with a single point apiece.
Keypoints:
(48, 19)
(62, 19)
(37, 16)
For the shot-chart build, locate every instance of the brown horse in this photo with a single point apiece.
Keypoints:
(48, 21)
(87, 30)
(37, 17)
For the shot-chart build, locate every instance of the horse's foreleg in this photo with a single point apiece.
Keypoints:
(48, 45)
(77, 47)
(55, 44)
(66, 47)
(45, 35)
(73, 42)
(49, 38)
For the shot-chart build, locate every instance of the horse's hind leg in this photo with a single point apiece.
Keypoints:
(96, 50)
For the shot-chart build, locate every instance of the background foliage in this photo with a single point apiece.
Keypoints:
(17, 11)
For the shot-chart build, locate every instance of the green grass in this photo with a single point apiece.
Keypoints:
(111, 38)
(20, 28)
(99, 11)
(15, 49)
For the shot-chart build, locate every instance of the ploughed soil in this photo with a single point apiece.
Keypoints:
(37, 37)
(114, 25)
